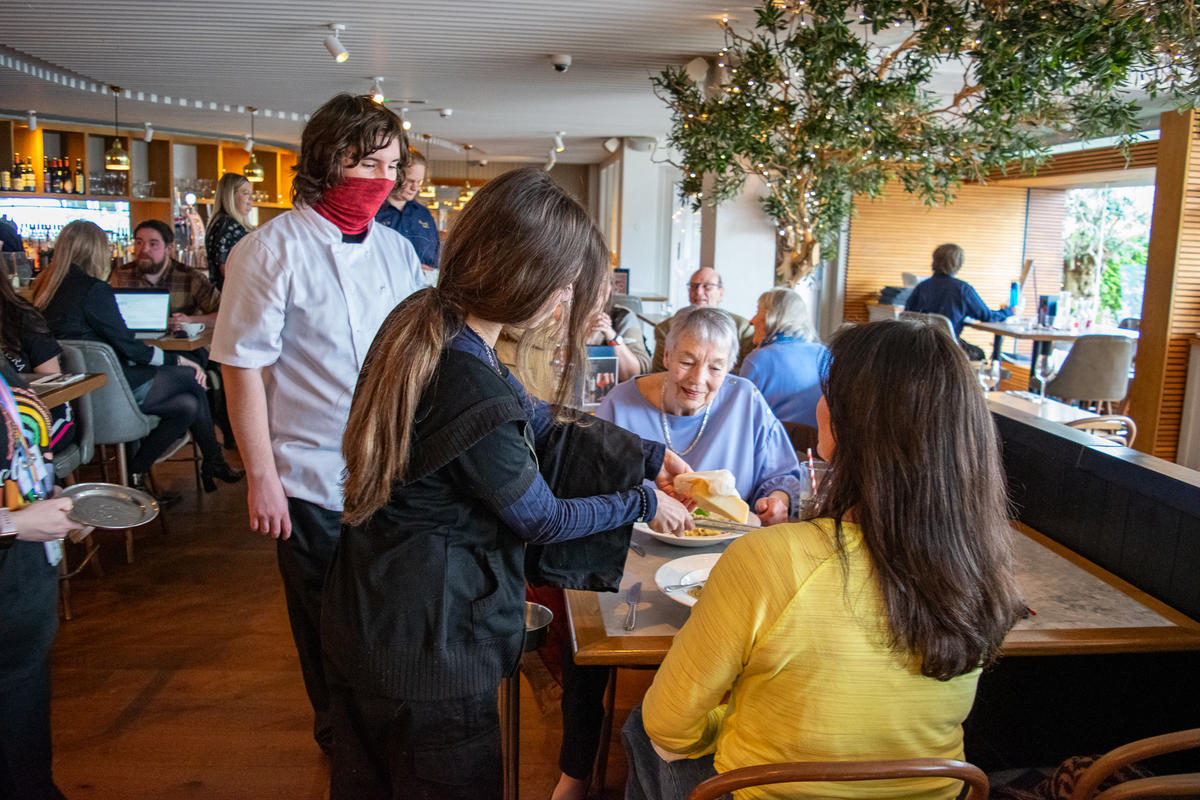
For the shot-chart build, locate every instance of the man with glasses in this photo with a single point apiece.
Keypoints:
(704, 289)
(412, 220)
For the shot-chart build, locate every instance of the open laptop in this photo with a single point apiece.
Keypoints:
(145, 311)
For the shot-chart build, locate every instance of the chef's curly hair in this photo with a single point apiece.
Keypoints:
(347, 125)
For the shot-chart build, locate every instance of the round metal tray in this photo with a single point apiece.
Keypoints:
(109, 506)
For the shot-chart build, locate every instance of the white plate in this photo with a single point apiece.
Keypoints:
(689, 569)
(688, 541)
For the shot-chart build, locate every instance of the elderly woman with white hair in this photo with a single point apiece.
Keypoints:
(714, 420)
(786, 362)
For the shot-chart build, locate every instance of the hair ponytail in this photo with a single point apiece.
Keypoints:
(396, 371)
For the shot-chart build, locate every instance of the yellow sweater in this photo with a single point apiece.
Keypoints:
(798, 638)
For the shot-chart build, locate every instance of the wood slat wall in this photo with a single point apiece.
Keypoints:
(1171, 310)
(896, 234)
(1101, 159)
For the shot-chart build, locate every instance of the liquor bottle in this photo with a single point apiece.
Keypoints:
(68, 184)
(46, 175)
(18, 174)
(80, 178)
(30, 175)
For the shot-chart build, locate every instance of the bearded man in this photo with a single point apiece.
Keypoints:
(194, 298)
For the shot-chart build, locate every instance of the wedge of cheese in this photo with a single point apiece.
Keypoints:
(716, 492)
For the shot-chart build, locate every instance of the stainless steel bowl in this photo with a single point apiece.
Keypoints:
(537, 625)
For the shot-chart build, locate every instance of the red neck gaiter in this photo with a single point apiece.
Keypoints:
(353, 203)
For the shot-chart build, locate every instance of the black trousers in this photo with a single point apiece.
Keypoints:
(387, 749)
(181, 405)
(582, 714)
(28, 622)
(304, 558)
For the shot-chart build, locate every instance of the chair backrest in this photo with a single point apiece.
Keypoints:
(1131, 323)
(1187, 784)
(799, 771)
(71, 360)
(932, 319)
(802, 437)
(630, 302)
(1097, 368)
(115, 414)
(1115, 427)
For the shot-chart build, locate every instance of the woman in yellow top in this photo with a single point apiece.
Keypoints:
(859, 634)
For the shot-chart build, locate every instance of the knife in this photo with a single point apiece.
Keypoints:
(633, 596)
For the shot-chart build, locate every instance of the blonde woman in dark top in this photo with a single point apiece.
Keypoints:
(230, 221)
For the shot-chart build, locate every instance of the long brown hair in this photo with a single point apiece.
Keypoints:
(916, 464)
(82, 243)
(521, 240)
(347, 126)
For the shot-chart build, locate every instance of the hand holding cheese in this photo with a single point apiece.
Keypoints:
(715, 491)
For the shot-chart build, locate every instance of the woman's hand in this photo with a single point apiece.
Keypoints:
(772, 509)
(201, 378)
(672, 465)
(672, 516)
(601, 329)
(44, 520)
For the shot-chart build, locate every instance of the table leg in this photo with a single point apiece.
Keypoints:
(997, 346)
(510, 735)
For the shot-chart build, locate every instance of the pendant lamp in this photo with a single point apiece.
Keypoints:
(115, 158)
(253, 170)
(467, 192)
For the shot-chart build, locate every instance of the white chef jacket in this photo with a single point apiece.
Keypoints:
(305, 306)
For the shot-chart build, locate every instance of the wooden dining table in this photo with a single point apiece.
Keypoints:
(1048, 409)
(1043, 338)
(1078, 608)
(169, 342)
(57, 395)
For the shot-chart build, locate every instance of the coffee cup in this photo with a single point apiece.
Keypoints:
(192, 329)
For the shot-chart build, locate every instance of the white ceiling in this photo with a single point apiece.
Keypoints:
(488, 61)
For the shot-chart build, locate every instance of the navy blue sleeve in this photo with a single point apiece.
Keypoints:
(501, 472)
(976, 308)
(541, 518)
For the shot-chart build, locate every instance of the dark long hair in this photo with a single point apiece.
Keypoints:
(521, 240)
(18, 320)
(347, 126)
(916, 464)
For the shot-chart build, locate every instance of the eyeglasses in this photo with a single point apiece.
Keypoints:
(708, 287)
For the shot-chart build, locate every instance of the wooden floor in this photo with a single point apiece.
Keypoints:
(177, 678)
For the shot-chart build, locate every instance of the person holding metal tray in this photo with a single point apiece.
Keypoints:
(32, 521)
(423, 606)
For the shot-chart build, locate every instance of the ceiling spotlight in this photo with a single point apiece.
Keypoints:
(551, 161)
(31, 120)
(445, 112)
(334, 45)
(558, 142)
(404, 122)
(148, 134)
(249, 145)
(377, 91)
(611, 144)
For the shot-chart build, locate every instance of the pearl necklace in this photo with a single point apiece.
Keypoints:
(662, 417)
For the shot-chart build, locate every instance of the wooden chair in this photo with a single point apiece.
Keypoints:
(843, 771)
(802, 437)
(1114, 427)
(1180, 785)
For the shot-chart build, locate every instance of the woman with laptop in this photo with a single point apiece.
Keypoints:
(79, 304)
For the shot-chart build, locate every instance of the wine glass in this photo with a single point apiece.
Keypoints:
(989, 374)
(1044, 370)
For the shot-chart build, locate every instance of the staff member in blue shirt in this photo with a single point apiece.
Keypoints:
(409, 218)
(947, 295)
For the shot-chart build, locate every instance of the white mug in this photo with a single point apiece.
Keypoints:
(193, 329)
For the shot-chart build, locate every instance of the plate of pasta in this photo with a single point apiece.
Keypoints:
(706, 532)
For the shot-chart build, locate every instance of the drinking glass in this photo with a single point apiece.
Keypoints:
(989, 374)
(1044, 370)
(812, 486)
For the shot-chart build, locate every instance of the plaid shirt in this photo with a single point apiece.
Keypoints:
(192, 293)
